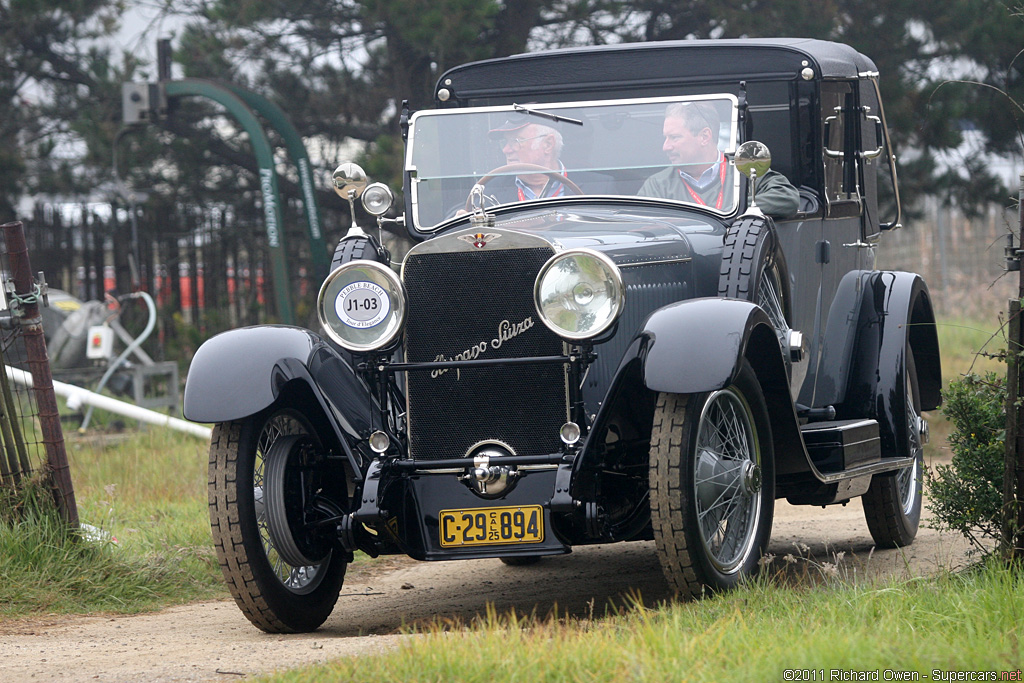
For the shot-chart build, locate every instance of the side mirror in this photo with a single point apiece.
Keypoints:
(349, 180)
(753, 159)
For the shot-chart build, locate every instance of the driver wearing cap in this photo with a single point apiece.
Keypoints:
(523, 142)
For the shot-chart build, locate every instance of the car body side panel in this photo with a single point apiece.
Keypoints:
(797, 240)
(835, 353)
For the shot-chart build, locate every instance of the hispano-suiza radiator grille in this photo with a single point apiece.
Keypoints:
(479, 304)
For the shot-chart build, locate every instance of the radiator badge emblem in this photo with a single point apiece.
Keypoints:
(480, 239)
(506, 331)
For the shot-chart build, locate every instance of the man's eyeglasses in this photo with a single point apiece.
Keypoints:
(515, 144)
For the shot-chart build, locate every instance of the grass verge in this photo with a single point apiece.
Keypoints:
(967, 622)
(142, 496)
(960, 341)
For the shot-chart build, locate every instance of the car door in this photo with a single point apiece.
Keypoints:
(843, 246)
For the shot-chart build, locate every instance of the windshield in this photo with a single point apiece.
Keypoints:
(666, 148)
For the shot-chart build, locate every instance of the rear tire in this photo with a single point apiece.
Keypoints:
(275, 596)
(712, 483)
(892, 505)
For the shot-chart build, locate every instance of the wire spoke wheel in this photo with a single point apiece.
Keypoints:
(906, 479)
(712, 485)
(726, 468)
(754, 269)
(769, 297)
(299, 578)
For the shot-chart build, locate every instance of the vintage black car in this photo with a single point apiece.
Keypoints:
(584, 362)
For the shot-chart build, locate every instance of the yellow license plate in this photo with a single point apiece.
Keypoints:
(492, 526)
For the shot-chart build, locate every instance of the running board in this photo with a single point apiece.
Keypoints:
(847, 449)
(839, 446)
(838, 487)
(844, 455)
(886, 465)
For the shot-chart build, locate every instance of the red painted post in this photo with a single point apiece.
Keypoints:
(25, 293)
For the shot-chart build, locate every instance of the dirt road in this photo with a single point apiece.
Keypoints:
(212, 641)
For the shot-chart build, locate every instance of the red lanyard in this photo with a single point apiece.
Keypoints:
(696, 197)
(565, 174)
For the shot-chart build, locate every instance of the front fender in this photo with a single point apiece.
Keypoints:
(687, 347)
(240, 372)
(696, 345)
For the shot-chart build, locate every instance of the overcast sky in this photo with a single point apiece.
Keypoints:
(142, 25)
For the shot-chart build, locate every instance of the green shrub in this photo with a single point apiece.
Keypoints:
(967, 495)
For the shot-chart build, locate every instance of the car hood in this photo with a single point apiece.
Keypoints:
(627, 235)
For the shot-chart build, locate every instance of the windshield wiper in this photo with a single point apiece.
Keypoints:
(546, 115)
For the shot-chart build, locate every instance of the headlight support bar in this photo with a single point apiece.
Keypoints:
(462, 364)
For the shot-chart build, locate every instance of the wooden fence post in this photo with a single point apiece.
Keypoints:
(1013, 467)
(26, 295)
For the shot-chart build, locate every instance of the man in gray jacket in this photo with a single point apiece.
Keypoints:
(700, 173)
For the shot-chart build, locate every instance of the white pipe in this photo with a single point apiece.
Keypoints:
(77, 396)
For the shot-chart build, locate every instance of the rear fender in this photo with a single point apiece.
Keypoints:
(241, 372)
(895, 311)
(883, 303)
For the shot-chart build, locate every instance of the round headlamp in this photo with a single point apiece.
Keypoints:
(579, 293)
(362, 306)
(377, 199)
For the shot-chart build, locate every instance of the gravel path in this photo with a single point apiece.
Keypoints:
(212, 641)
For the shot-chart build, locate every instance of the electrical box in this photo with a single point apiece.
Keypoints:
(100, 344)
(141, 102)
(135, 103)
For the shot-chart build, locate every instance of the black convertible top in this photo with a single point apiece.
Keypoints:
(657, 64)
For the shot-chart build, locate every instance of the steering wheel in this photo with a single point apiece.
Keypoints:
(519, 169)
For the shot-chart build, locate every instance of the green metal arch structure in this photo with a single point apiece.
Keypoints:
(297, 151)
(273, 218)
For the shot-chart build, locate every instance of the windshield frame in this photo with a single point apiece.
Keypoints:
(413, 180)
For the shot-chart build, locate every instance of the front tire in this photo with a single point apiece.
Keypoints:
(892, 505)
(712, 483)
(274, 595)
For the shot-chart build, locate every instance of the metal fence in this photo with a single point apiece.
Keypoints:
(961, 258)
(31, 439)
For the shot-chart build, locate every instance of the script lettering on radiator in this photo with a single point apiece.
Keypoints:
(506, 331)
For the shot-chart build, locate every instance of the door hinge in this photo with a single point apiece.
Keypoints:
(823, 251)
